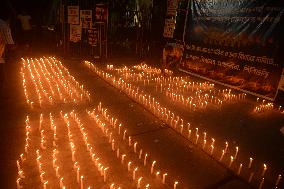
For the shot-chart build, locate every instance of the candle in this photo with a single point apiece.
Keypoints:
(264, 170)
(189, 133)
(226, 146)
(261, 183)
(78, 174)
(250, 162)
(82, 184)
(124, 134)
(175, 184)
(236, 153)
(105, 169)
(112, 186)
(213, 141)
(128, 166)
(129, 140)
(204, 143)
(21, 174)
(41, 177)
(140, 154)
(61, 182)
(164, 178)
(122, 158)
(56, 170)
(139, 182)
(18, 183)
(40, 121)
(112, 145)
(204, 136)
(232, 159)
(117, 153)
(18, 165)
(135, 145)
(181, 129)
(240, 169)
(212, 148)
(196, 131)
(157, 174)
(26, 148)
(197, 136)
(73, 155)
(145, 158)
(44, 185)
(152, 167)
(134, 173)
(278, 180)
(119, 126)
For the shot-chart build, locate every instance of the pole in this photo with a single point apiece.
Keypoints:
(185, 21)
(100, 34)
(106, 28)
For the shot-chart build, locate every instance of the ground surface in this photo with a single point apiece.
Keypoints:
(257, 136)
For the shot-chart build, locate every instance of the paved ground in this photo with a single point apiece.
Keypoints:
(258, 136)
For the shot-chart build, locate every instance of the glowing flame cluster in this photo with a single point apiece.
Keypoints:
(47, 82)
(220, 152)
(119, 139)
(57, 146)
(181, 90)
(45, 152)
(263, 106)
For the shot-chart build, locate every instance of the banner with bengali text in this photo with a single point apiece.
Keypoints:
(236, 43)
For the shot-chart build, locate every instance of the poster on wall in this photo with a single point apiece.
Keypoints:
(93, 36)
(86, 18)
(75, 33)
(169, 28)
(101, 13)
(235, 43)
(73, 14)
(172, 6)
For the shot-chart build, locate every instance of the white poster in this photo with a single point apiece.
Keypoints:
(73, 15)
(86, 18)
(172, 6)
(169, 28)
(75, 33)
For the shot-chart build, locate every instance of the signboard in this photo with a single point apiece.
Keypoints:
(86, 18)
(172, 6)
(235, 43)
(101, 13)
(73, 15)
(75, 33)
(93, 36)
(169, 28)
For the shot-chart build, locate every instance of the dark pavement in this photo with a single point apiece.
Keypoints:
(257, 136)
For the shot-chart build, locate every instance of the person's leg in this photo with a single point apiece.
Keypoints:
(2, 62)
(2, 79)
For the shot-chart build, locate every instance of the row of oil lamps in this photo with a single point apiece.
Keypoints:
(149, 75)
(175, 85)
(202, 93)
